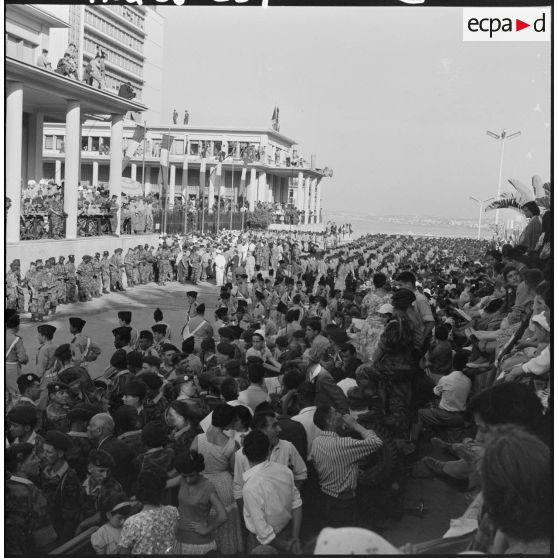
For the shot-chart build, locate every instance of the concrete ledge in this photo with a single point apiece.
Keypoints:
(30, 250)
(311, 227)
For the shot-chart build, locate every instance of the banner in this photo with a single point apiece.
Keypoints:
(166, 144)
(202, 179)
(185, 169)
(133, 144)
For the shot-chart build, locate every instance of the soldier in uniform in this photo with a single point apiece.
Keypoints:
(59, 403)
(196, 263)
(125, 319)
(155, 403)
(137, 262)
(116, 265)
(40, 291)
(84, 272)
(27, 526)
(129, 263)
(14, 289)
(60, 274)
(83, 349)
(71, 281)
(76, 455)
(50, 279)
(45, 355)
(96, 285)
(105, 272)
(163, 264)
(60, 485)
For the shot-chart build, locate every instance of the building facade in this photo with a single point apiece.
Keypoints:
(249, 165)
(131, 37)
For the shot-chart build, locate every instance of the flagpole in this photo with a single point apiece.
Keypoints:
(167, 201)
(143, 162)
(219, 201)
(232, 190)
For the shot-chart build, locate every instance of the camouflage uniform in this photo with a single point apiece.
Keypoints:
(154, 409)
(63, 496)
(116, 264)
(96, 281)
(196, 263)
(14, 290)
(40, 293)
(135, 269)
(129, 264)
(50, 279)
(60, 274)
(163, 264)
(105, 273)
(84, 272)
(71, 282)
(27, 526)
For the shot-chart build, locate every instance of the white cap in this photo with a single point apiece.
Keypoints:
(260, 332)
(385, 309)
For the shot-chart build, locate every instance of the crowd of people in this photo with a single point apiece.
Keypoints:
(252, 431)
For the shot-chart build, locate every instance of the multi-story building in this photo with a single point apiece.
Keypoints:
(131, 37)
(273, 172)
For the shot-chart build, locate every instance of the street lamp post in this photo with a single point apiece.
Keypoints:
(481, 205)
(503, 136)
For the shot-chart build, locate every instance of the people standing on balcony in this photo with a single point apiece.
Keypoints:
(97, 71)
(186, 117)
(42, 61)
(175, 116)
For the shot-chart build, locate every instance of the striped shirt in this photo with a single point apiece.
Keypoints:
(336, 461)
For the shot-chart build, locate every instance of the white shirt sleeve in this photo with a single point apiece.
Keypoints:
(254, 518)
(538, 365)
(238, 481)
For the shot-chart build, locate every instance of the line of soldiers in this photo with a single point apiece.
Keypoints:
(48, 284)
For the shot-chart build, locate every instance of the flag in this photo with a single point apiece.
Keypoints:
(133, 143)
(220, 188)
(274, 117)
(202, 178)
(166, 144)
(185, 169)
(242, 188)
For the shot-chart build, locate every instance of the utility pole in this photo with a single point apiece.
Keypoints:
(503, 137)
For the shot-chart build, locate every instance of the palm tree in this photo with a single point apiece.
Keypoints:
(539, 193)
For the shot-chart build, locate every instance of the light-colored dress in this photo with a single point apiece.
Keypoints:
(217, 471)
(373, 325)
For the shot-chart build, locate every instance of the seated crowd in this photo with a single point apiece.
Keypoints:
(252, 432)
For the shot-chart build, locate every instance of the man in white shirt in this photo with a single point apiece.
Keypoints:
(453, 390)
(281, 451)
(272, 503)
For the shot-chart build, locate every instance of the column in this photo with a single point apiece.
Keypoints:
(35, 147)
(14, 135)
(115, 172)
(300, 193)
(95, 179)
(307, 183)
(251, 189)
(172, 185)
(58, 171)
(147, 180)
(318, 201)
(262, 187)
(211, 191)
(72, 148)
(134, 171)
(314, 203)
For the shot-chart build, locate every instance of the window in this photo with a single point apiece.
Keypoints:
(94, 143)
(178, 147)
(194, 148)
(59, 143)
(49, 142)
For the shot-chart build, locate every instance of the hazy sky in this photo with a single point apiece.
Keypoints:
(391, 98)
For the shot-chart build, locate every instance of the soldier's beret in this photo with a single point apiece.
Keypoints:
(25, 415)
(121, 330)
(83, 411)
(193, 294)
(169, 347)
(77, 322)
(26, 380)
(182, 379)
(46, 329)
(154, 434)
(58, 440)
(17, 453)
(125, 316)
(53, 387)
(151, 380)
(226, 332)
(135, 388)
(225, 349)
(159, 328)
(152, 360)
(118, 359)
(146, 334)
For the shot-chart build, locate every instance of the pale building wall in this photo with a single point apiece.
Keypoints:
(153, 68)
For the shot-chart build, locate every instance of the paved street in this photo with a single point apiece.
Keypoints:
(441, 501)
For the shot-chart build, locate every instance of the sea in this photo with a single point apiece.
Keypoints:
(363, 224)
